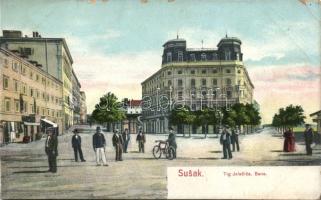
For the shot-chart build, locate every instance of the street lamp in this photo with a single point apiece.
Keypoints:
(157, 91)
(170, 97)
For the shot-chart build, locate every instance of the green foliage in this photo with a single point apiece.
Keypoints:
(108, 109)
(290, 116)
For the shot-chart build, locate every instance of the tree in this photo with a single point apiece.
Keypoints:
(290, 116)
(108, 110)
(180, 116)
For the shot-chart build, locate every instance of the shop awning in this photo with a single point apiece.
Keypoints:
(31, 123)
(49, 122)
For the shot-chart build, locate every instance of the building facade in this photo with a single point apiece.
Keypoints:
(54, 57)
(83, 108)
(197, 78)
(27, 95)
(76, 98)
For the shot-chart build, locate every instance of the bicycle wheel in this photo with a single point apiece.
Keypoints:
(157, 152)
(170, 153)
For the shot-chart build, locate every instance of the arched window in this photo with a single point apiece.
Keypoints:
(169, 57)
(203, 57)
(180, 56)
(228, 81)
(227, 55)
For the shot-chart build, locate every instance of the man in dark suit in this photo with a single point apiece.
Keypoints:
(172, 140)
(76, 145)
(225, 141)
(308, 138)
(235, 139)
(141, 139)
(118, 143)
(51, 148)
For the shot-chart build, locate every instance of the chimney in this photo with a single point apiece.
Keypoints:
(33, 34)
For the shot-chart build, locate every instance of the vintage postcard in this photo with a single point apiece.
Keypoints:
(160, 99)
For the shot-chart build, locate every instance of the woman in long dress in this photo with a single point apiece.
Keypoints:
(289, 141)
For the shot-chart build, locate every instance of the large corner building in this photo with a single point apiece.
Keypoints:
(196, 78)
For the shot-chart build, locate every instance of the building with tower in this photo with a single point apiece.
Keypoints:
(196, 78)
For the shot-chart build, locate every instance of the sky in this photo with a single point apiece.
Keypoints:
(116, 45)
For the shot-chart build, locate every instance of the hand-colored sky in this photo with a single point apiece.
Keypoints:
(117, 44)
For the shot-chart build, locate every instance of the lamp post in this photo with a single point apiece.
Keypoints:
(170, 97)
(157, 99)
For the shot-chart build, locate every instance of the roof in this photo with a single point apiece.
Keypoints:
(315, 113)
(32, 39)
(175, 40)
(135, 102)
(229, 39)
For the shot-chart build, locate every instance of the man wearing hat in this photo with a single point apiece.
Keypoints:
(172, 140)
(76, 145)
(225, 141)
(118, 144)
(51, 148)
(99, 144)
(308, 138)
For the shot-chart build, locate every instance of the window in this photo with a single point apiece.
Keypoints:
(192, 82)
(48, 112)
(16, 85)
(214, 81)
(43, 111)
(169, 57)
(31, 75)
(31, 92)
(203, 57)
(17, 105)
(192, 57)
(215, 57)
(180, 95)
(5, 82)
(180, 82)
(179, 72)
(203, 82)
(238, 71)
(228, 71)
(169, 82)
(228, 81)
(193, 94)
(204, 71)
(228, 94)
(37, 77)
(15, 66)
(25, 107)
(37, 93)
(227, 55)
(193, 71)
(204, 93)
(214, 71)
(38, 110)
(237, 56)
(169, 73)
(6, 63)
(24, 89)
(7, 104)
(180, 56)
(32, 109)
(26, 51)
(24, 71)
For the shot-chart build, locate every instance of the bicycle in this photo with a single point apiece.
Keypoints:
(163, 148)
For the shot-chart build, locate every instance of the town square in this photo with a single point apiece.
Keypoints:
(105, 99)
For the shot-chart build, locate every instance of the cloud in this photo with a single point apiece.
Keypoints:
(121, 74)
(278, 86)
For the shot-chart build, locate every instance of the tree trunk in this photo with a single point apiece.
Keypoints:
(183, 130)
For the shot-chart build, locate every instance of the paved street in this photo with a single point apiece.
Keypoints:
(24, 166)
